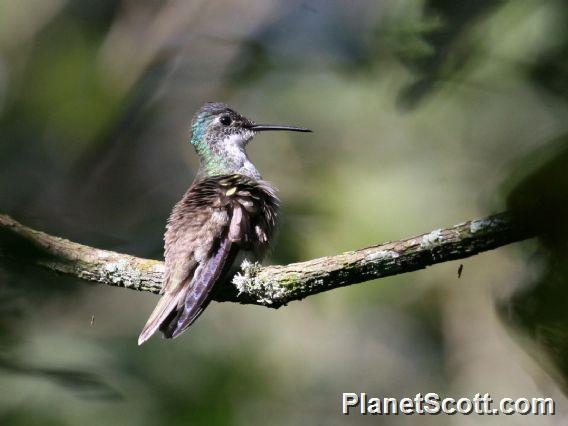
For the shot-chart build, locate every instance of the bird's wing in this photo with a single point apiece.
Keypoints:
(205, 231)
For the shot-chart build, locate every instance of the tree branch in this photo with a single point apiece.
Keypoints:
(271, 286)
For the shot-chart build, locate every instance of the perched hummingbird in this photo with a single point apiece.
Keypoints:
(228, 214)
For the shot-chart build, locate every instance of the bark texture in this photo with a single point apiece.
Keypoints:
(271, 286)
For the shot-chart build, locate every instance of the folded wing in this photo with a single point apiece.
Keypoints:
(215, 219)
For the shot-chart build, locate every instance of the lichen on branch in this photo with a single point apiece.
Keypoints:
(271, 286)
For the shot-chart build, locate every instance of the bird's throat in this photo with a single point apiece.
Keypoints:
(226, 158)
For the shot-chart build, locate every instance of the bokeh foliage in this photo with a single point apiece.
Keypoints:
(426, 113)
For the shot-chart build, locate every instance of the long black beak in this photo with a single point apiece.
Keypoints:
(265, 127)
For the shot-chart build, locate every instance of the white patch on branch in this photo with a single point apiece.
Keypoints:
(248, 282)
(479, 224)
(430, 239)
(382, 255)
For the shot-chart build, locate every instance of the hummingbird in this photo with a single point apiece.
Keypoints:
(228, 214)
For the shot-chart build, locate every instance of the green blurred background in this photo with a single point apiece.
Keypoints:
(426, 113)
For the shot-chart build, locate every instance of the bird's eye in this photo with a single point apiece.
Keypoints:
(225, 120)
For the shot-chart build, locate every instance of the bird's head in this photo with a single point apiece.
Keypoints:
(219, 134)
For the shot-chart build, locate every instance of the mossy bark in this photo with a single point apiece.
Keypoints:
(271, 286)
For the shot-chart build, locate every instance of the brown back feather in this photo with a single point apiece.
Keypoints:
(231, 206)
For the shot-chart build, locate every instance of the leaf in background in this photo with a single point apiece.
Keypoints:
(540, 200)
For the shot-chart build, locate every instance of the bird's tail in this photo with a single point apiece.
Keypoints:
(175, 312)
(167, 305)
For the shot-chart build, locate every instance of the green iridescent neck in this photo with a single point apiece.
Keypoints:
(220, 154)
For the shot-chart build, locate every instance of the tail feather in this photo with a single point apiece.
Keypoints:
(171, 328)
(176, 311)
(167, 304)
(204, 280)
